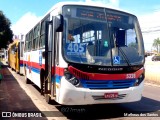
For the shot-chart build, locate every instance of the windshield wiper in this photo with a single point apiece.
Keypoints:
(125, 56)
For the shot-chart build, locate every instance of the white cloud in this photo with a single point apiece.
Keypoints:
(28, 20)
(150, 21)
(150, 25)
(109, 3)
(25, 23)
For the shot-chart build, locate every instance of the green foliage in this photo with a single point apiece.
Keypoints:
(156, 44)
(6, 33)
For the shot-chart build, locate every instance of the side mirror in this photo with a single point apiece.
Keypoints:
(58, 23)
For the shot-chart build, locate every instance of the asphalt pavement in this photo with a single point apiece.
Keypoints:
(14, 102)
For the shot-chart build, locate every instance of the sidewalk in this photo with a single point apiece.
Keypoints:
(13, 98)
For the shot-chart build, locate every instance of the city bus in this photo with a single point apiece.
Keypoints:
(15, 56)
(80, 54)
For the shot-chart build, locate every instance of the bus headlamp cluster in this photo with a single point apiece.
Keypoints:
(72, 79)
(139, 80)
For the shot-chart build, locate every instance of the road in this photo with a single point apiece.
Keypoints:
(152, 69)
(147, 107)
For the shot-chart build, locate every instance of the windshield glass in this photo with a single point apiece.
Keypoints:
(101, 36)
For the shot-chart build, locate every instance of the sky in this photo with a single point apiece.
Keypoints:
(24, 14)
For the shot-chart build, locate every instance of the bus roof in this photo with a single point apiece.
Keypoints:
(92, 4)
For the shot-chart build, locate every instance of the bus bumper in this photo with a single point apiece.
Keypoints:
(71, 95)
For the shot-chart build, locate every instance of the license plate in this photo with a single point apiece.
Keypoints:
(110, 95)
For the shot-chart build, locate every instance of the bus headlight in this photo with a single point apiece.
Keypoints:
(72, 79)
(75, 81)
(139, 80)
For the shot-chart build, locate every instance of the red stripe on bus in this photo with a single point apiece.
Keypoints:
(21, 61)
(98, 76)
(59, 70)
(34, 64)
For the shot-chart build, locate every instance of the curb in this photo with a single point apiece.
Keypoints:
(151, 84)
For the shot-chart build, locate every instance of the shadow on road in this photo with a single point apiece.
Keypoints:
(12, 97)
(108, 111)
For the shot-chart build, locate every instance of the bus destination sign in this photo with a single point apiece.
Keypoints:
(97, 15)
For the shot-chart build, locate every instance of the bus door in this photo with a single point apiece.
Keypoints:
(51, 27)
(49, 47)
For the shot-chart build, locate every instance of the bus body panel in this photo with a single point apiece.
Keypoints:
(34, 64)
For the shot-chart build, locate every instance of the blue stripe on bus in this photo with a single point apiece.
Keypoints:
(97, 84)
(21, 65)
(103, 84)
(107, 84)
(36, 70)
(58, 79)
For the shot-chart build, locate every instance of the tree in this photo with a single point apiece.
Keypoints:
(156, 44)
(6, 33)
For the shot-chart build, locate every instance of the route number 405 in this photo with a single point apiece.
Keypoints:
(75, 47)
(129, 76)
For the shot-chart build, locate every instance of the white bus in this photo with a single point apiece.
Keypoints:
(86, 54)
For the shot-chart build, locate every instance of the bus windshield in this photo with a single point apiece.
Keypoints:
(101, 36)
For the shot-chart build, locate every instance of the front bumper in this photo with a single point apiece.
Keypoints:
(71, 95)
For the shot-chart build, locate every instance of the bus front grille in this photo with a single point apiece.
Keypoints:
(107, 84)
